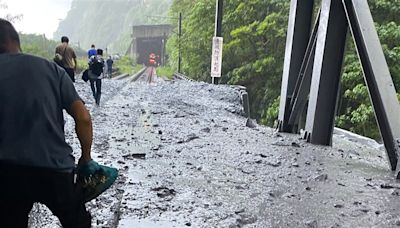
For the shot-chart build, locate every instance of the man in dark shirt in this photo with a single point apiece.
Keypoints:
(96, 73)
(36, 164)
(109, 66)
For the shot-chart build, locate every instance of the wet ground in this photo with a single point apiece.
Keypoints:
(187, 159)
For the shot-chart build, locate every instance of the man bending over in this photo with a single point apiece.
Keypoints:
(36, 164)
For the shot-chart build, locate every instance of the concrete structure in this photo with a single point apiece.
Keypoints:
(148, 39)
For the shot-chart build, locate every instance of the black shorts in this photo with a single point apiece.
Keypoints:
(71, 73)
(22, 186)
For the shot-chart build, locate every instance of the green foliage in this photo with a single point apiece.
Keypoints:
(39, 45)
(254, 34)
(124, 65)
(137, 68)
(165, 71)
(82, 64)
(271, 113)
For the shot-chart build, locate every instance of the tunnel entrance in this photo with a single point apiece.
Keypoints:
(147, 39)
(146, 46)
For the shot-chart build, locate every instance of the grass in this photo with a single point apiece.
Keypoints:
(137, 68)
(165, 71)
(124, 65)
(82, 64)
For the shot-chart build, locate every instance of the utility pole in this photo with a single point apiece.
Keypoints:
(179, 42)
(218, 35)
(218, 18)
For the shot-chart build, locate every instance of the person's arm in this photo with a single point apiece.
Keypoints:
(76, 64)
(74, 58)
(83, 128)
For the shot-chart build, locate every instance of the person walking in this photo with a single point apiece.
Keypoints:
(109, 66)
(67, 57)
(96, 73)
(36, 164)
(92, 51)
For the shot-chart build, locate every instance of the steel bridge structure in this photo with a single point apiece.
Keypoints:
(311, 78)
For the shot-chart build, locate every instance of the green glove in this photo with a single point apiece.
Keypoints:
(94, 179)
(88, 168)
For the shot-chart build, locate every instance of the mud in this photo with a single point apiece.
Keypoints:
(187, 159)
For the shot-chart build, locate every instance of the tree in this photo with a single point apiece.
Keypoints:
(253, 45)
(8, 16)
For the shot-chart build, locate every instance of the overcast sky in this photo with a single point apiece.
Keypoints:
(39, 16)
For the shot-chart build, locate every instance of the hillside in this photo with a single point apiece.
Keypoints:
(107, 23)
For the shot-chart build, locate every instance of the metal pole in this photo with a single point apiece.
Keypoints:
(218, 26)
(179, 43)
(327, 69)
(298, 36)
(302, 89)
(218, 18)
(377, 76)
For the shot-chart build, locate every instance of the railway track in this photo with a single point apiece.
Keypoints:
(145, 75)
(148, 75)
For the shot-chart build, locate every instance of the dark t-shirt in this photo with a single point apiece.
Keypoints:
(33, 94)
(109, 62)
(96, 67)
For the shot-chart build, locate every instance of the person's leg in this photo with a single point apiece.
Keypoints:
(14, 212)
(62, 198)
(71, 73)
(15, 197)
(93, 88)
(98, 85)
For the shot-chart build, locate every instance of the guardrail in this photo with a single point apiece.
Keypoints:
(244, 97)
(182, 77)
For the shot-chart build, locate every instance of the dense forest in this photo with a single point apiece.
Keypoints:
(254, 44)
(107, 23)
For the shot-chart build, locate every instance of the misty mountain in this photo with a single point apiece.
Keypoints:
(107, 23)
